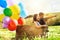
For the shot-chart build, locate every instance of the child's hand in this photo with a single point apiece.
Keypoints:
(45, 25)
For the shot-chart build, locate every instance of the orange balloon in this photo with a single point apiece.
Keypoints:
(20, 21)
(12, 26)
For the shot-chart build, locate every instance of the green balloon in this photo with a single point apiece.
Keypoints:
(7, 12)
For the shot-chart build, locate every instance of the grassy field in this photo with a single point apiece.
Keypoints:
(54, 34)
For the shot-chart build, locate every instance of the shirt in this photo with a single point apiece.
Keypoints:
(41, 21)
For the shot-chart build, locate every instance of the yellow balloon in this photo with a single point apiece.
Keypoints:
(1, 17)
(16, 12)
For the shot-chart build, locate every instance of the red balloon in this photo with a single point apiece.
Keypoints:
(12, 25)
(20, 21)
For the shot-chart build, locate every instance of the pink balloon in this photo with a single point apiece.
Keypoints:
(6, 21)
(16, 22)
(9, 2)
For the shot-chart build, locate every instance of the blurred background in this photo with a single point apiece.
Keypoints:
(29, 8)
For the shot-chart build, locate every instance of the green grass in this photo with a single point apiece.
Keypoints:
(54, 34)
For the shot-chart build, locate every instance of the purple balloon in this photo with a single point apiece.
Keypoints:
(5, 25)
(6, 21)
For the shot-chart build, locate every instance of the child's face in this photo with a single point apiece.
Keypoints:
(37, 17)
(41, 16)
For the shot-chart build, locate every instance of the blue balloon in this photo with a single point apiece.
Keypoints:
(2, 0)
(3, 4)
(22, 12)
(21, 5)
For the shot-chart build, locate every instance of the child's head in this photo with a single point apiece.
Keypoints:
(41, 14)
(36, 17)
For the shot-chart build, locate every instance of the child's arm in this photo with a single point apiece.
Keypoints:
(49, 17)
(38, 25)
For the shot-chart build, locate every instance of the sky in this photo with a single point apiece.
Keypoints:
(36, 6)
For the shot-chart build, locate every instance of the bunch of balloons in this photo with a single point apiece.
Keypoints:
(9, 23)
(11, 19)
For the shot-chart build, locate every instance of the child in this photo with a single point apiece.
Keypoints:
(42, 21)
(35, 20)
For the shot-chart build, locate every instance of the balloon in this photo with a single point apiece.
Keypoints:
(4, 25)
(2, 0)
(15, 10)
(21, 5)
(6, 22)
(16, 22)
(9, 2)
(20, 21)
(12, 25)
(3, 3)
(7, 12)
(22, 13)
